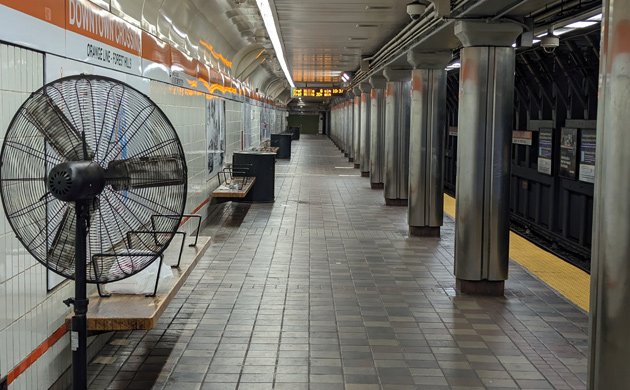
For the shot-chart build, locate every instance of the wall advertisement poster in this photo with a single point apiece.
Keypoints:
(215, 128)
(545, 142)
(587, 156)
(568, 153)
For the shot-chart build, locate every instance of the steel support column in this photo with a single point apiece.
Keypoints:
(365, 129)
(377, 131)
(483, 145)
(610, 266)
(349, 129)
(356, 129)
(426, 143)
(397, 111)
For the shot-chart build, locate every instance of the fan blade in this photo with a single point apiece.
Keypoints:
(56, 128)
(62, 250)
(145, 172)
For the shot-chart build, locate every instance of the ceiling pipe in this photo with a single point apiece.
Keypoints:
(396, 44)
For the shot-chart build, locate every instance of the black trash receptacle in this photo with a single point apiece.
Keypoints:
(262, 166)
(295, 133)
(282, 141)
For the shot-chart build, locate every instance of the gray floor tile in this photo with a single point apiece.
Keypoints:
(324, 289)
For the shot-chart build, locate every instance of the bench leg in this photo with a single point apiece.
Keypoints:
(181, 250)
(98, 285)
(157, 279)
(100, 293)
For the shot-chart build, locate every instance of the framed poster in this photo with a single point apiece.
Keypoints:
(587, 156)
(215, 130)
(545, 142)
(568, 153)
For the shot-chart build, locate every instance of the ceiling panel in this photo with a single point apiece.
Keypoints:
(324, 38)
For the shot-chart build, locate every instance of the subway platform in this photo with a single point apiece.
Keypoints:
(323, 289)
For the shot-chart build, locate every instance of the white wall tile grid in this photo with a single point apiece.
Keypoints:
(28, 313)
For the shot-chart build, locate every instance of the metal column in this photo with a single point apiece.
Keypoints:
(397, 111)
(356, 129)
(377, 131)
(483, 144)
(349, 130)
(609, 349)
(426, 143)
(365, 129)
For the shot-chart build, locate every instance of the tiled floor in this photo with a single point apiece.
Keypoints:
(324, 290)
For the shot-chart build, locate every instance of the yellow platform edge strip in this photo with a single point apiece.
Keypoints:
(569, 281)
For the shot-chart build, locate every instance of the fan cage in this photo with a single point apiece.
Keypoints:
(118, 123)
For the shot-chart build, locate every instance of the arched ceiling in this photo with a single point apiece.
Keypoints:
(222, 32)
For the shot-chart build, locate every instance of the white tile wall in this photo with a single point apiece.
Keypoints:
(187, 113)
(233, 128)
(28, 313)
(255, 127)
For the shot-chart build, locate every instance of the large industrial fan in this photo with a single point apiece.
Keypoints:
(86, 162)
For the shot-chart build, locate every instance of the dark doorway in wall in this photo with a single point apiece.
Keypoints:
(323, 117)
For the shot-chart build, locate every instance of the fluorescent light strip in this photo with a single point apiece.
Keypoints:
(270, 25)
(581, 24)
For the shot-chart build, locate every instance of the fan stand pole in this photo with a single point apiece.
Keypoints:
(79, 320)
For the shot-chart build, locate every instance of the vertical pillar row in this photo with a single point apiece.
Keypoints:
(349, 129)
(426, 142)
(609, 344)
(397, 106)
(377, 131)
(365, 129)
(356, 129)
(483, 159)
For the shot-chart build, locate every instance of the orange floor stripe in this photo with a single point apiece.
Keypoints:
(571, 282)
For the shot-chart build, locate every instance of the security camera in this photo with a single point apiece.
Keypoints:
(416, 9)
(549, 43)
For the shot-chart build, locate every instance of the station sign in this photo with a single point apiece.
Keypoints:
(317, 92)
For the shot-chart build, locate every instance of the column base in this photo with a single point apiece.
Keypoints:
(396, 202)
(350, 159)
(365, 174)
(377, 186)
(494, 288)
(357, 166)
(424, 231)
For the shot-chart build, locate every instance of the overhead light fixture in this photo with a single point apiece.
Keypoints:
(345, 77)
(272, 30)
(454, 65)
(581, 24)
(596, 18)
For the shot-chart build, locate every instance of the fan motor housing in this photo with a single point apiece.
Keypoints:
(76, 180)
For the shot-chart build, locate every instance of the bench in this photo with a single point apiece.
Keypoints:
(139, 312)
(130, 312)
(238, 188)
(235, 182)
(268, 149)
